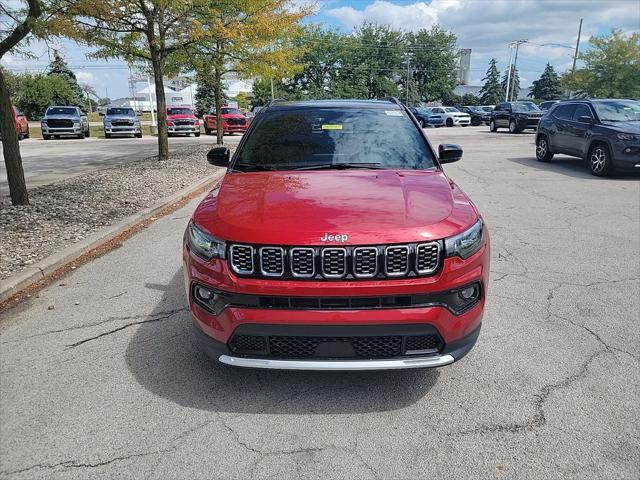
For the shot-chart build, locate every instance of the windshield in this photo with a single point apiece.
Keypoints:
(61, 111)
(234, 111)
(475, 109)
(524, 107)
(293, 139)
(179, 111)
(126, 112)
(451, 109)
(618, 111)
(487, 109)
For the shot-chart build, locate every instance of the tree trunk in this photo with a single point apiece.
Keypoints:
(11, 149)
(217, 79)
(218, 104)
(161, 106)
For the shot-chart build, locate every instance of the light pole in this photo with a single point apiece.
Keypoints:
(506, 94)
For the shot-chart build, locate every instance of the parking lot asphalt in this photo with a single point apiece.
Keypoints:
(100, 376)
(54, 160)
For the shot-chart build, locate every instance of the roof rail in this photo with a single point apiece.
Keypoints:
(392, 100)
(275, 100)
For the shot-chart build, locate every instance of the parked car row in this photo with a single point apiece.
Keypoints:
(451, 116)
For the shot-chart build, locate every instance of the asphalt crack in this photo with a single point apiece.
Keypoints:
(160, 318)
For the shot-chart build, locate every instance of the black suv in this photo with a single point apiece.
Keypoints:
(606, 133)
(516, 116)
(477, 114)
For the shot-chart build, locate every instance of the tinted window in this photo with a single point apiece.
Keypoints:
(618, 110)
(61, 111)
(582, 110)
(289, 139)
(127, 112)
(564, 112)
(233, 111)
(179, 111)
(525, 107)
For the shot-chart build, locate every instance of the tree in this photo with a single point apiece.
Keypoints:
(60, 68)
(204, 94)
(514, 81)
(16, 32)
(547, 87)
(611, 67)
(433, 62)
(37, 92)
(143, 31)
(470, 99)
(249, 37)
(491, 92)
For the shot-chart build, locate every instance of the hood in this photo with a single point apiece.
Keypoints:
(233, 115)
(625, 127)
(61, 115)
(370, 206)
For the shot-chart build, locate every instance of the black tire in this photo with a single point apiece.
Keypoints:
(139, 135)
(27, 135)
(475, 121)
(46, 137)
(543, 151)
(599, 160)
(513, 127)
(107, 135)
(423, 124)
(207, 131)
(197, 134)
(87, 133)
(449, 122)
(492, 126)
(464, 125)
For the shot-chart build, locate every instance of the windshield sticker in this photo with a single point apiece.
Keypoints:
(329, 126)
(393, 113)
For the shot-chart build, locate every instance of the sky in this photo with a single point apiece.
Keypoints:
(484, 26)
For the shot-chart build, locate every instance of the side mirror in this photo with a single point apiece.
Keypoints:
(585, 119)
(101, 114)
(449, 152)
(219, 156)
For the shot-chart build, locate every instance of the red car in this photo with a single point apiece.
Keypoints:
(21, 123)
(233, 121)
(182, 121)
(331, 244)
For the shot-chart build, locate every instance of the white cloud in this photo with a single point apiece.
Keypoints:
(487, 26)
(85, 77)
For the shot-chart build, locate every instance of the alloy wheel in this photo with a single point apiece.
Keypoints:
(598, 160)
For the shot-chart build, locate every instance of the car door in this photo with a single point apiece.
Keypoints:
(503, 110)
(561, 133)
(579, 132)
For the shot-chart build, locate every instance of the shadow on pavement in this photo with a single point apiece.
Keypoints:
(164, 358)
(570, 166)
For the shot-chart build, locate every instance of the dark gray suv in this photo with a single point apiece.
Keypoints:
(606, 133)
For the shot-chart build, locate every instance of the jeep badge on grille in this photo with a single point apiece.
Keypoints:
(334, 238)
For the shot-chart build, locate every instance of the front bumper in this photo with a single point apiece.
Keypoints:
(61, 130)
(461, 120)
(122, 130)
(183, 129)
(527, 122)
(457, 331)
(626, 155)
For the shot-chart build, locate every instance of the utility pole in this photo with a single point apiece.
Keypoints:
(515, 63)
(506, 94)
(408, 73)
(575, 55)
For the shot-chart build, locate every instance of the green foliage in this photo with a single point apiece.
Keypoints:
(611, 67)
(451, 100)
(433, 62)
(514, 80)
(491, 92)
(470, 99)
(204, 95)
(547, 87)
(59, 68)
(37, 92)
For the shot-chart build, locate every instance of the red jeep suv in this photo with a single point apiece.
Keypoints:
(333, 244)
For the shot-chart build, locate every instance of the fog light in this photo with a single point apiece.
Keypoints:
(203, 293)
(468, 293)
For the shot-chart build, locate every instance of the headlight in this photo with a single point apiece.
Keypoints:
(204, 245)
(466, 243)
(107, 124)
(627, 136)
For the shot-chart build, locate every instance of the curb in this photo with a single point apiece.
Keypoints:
(91, 246)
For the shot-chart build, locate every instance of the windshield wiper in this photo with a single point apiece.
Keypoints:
(260, 167)
(341, 166)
